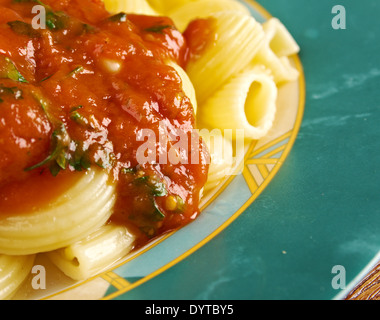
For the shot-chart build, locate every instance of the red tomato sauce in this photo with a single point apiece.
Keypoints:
(78, 94)
(199, 35)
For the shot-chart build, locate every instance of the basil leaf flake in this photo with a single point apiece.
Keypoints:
(23, 28)
(158, 29)
(8, 70)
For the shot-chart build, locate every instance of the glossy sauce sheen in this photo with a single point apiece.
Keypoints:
(71, 91)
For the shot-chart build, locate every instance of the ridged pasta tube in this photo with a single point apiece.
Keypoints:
(94, 253)
(237, 40)
(278, 46)
(79, 211)
(187, 85)
(202, 9)
(247, 101)
(13, 272)
(222, 157)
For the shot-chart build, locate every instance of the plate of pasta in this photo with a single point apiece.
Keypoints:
(132, 132)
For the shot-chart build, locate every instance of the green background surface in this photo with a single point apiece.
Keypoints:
(323, 207)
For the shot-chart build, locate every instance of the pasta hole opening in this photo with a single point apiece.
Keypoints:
(254, 105)
(75, 262)
(277, 45)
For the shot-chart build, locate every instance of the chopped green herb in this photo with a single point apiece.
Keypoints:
(158, 29)
(180, 204)
(128, 170)
(158, 213)
(58, 158)
(120, 17)
(80, 159)
(89, 122)
(75, 108)
(46, 78)
(54, 169)
(104, 156)
(60, 141)
(44, 105)
(158, 188)
(8, 70)
(76, 71)
(13, 91)
(56, 20)
(23, 28)
(86, 28)
(143, 179)
(150, 221)
(78, 118)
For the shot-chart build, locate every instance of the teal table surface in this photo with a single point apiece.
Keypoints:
(322, 210)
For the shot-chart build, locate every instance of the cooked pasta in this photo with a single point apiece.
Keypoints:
(13, 272)
(78, 212)
(247, 101)
(164, 6)
(222, 157)
(202, 9)
(187, 85)
(278, 46)
(93, 253)
(281, 41)
(238, 38)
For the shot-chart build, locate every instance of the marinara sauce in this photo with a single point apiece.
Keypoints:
(90, 90)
